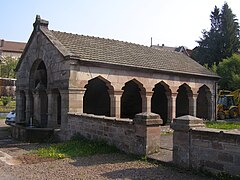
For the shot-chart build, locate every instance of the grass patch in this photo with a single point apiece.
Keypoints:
(75, 148)
(223, 125)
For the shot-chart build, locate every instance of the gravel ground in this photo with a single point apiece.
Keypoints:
(108, 166)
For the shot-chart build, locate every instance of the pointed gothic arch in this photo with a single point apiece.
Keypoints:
(160, 100)
(96, 99)
(184, 100)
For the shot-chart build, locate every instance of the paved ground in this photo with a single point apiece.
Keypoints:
(108, 166)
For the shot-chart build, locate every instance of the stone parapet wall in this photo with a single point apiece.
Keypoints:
(138, 136)
(216, 151)
(195, 146)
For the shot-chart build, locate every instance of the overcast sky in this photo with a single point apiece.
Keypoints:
(169, 22)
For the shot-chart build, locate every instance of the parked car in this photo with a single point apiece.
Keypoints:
(10, 117)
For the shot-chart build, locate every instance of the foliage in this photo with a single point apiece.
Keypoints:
(76, 148)
(223, 125)
(229, 70)
(5, 100)
(9, 107)
(8, 66)
(221, 41)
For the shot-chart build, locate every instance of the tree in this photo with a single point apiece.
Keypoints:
(221, 41)
(7, 67)
(229, 70)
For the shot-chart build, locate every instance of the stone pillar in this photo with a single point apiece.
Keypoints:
(64, 107)
(193, 105)
(18, 107)
(212, 110)
(36, 111)
(148, 129)
(51, 110)
(115, 104)
(75, 96)
(181, 138)
(173, 104)
(144, 102)
(148, 98)
(28, 108)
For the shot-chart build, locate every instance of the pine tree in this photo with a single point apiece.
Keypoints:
(221, 41)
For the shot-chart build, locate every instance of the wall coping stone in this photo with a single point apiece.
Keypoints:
(187, 122)
(234, 132)
(106, 118)
(147, 118)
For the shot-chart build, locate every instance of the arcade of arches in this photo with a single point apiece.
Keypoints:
(100, 98)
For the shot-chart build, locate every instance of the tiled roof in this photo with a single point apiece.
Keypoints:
(109, 51)
(11, 46)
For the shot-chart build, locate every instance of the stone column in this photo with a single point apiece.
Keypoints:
(28, 108)
(51, 110)
(212, 110)
(148, 98)
(115, 104)
(148, 129)
(173, 104)
(193, 105)
(64, 108)
(18, 106)
(181, 138)
(36, 111)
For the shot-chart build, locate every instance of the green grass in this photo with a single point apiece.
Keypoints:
(223, 125)
(75, 148)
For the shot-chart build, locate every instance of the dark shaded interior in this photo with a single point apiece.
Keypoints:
(182, 101)
(96, 99)
(131, 101)
(159, 102)
(203, 103)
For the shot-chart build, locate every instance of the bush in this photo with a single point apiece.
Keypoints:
(5, 100)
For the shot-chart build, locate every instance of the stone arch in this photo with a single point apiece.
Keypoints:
(131, 100)
(160, 100)
(38, 84)
(96, 98)
(184, 100)
(204, 105)
(38, 75)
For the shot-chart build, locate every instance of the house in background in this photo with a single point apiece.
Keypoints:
(61, 73)
(11, 48)
(181, 49)
(14, 50)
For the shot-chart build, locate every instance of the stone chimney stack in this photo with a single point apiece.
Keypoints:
(2, 43)
(40, 23)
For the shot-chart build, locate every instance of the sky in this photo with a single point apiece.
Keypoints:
(170, 22)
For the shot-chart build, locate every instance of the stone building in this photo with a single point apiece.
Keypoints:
(11, 48)
(60, 72)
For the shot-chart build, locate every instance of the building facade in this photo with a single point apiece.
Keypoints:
(61, 73)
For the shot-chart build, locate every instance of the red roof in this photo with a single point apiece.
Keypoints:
(11, 46)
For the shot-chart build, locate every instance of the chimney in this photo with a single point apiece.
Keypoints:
(40, 23)
(2, 43)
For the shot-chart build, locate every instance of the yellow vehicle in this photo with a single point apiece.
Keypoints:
(228, 105)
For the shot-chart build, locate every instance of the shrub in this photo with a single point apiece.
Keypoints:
(5, 100)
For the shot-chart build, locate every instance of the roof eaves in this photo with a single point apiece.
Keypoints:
(68, 57)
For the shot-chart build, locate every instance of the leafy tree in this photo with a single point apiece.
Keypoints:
(7, 67)
(229, 70)
(221, 41)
